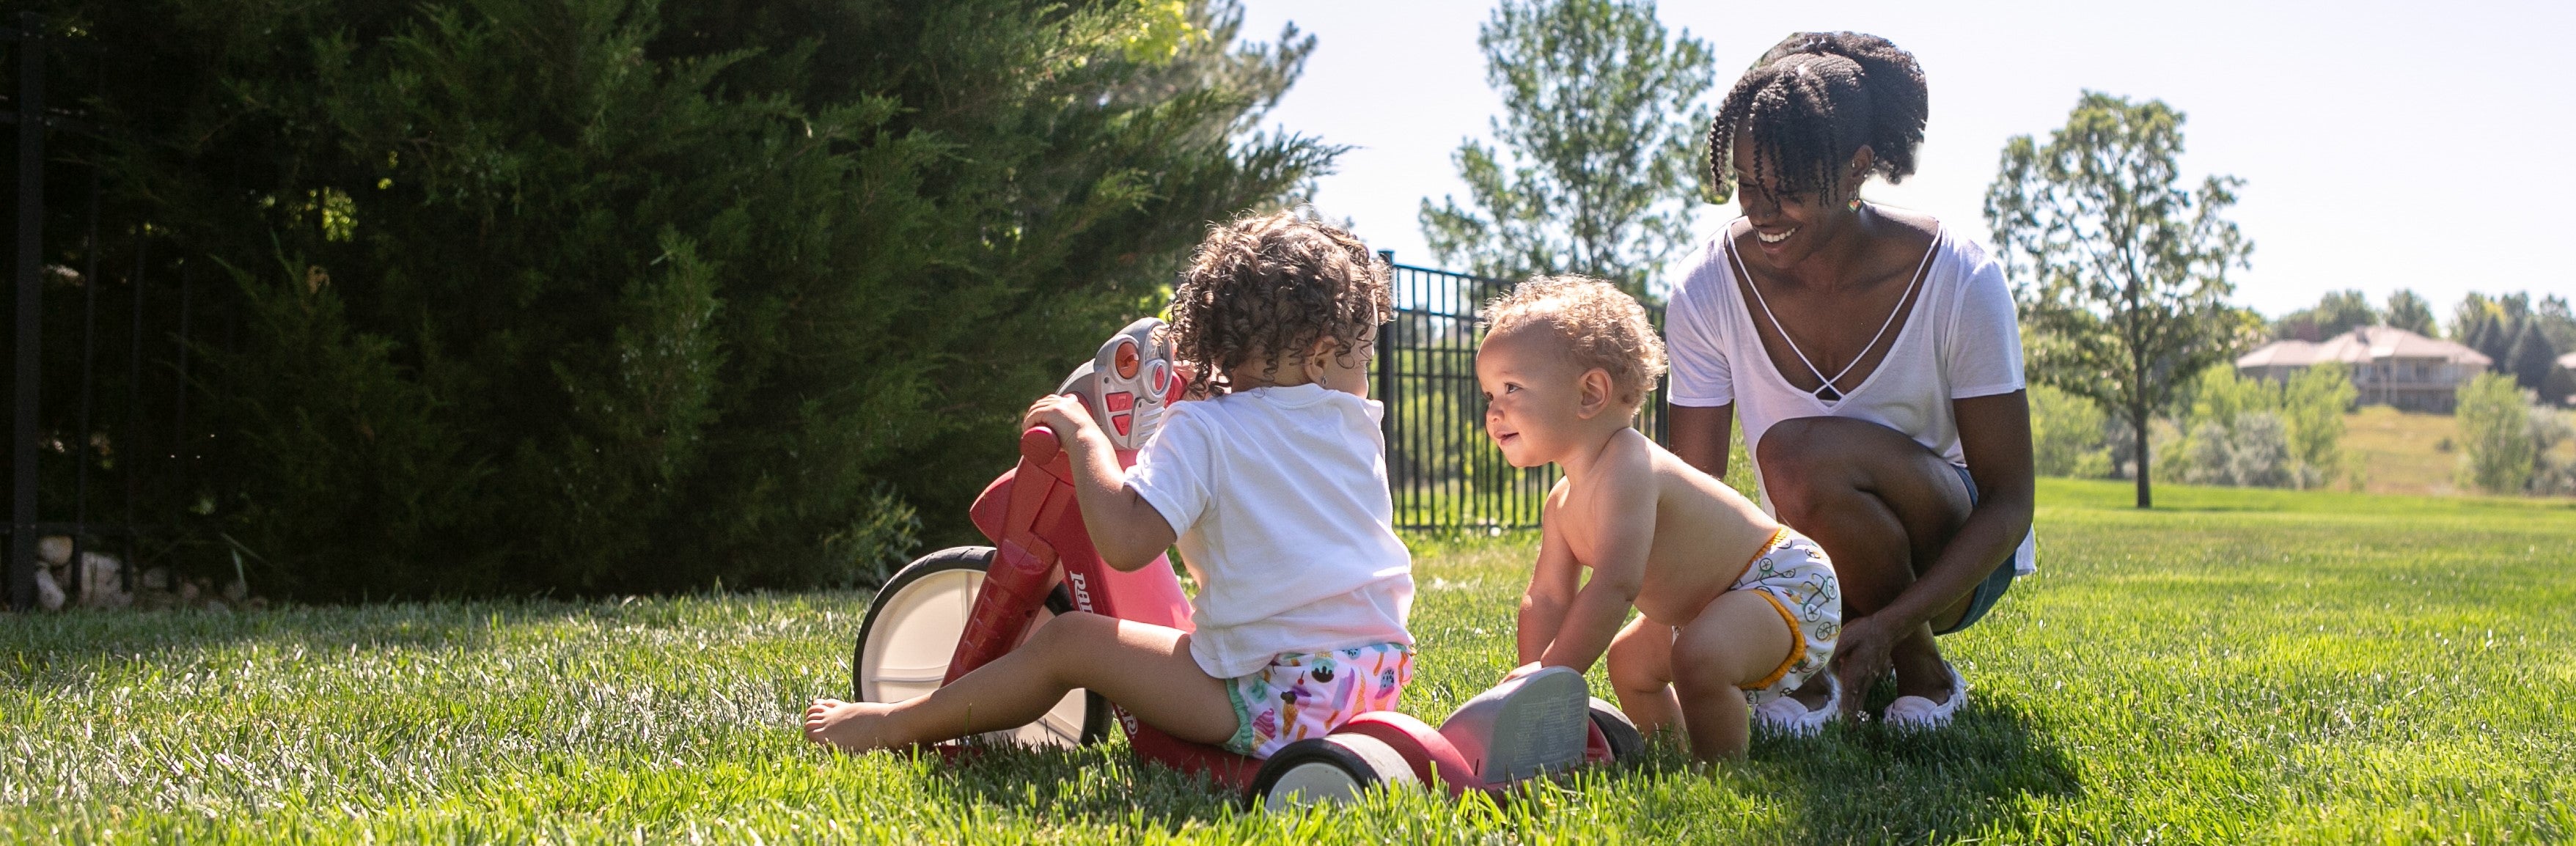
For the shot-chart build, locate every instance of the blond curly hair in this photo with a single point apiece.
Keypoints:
(1600, 326)
(1273, 283)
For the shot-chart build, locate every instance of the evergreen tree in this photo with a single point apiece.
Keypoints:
(613, 295)
(2557, 322)
(1598, 135)
(2530, 357)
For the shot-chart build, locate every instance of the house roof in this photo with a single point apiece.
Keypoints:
(2366, 344)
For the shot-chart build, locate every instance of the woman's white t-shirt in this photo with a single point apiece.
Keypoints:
(1279, 498)
(1961, 341)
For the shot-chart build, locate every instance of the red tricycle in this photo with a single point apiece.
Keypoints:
(957, 609)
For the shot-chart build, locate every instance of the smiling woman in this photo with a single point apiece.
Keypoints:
(1872, 355)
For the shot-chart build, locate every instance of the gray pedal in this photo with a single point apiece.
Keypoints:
(1525, 727)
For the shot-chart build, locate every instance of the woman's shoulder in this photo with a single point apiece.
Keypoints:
(1711, 278)
(1959, 261)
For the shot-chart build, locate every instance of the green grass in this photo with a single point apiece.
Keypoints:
(2244, 666)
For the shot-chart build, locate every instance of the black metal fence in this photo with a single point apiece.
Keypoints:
(1443, 471)
(101, 436)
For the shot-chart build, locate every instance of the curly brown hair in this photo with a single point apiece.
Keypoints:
(1269, 283)
(1600, 325)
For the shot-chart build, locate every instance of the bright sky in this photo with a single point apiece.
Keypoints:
(2384, 145)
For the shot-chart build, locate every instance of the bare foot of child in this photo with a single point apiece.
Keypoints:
(845, 726)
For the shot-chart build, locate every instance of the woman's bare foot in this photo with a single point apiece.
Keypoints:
(846, 726)
(1919, 672)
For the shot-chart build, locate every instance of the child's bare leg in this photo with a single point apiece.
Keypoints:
(1641, 675)
(1146, 669)
(1738, 640)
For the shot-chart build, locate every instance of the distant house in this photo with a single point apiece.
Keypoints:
(2564, 381)
(2388, 366)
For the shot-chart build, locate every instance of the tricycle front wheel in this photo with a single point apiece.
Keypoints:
(911, 632)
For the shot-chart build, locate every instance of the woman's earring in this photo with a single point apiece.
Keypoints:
(1855, 204)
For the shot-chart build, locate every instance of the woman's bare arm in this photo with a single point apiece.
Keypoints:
(1700, 434)
(1994, 432)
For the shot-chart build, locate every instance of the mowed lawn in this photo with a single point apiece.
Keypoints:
(2233, 667)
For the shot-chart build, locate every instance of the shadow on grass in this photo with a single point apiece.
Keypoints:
(1101, 784)
(1868, 783)
(1855, 784)
(59, 647)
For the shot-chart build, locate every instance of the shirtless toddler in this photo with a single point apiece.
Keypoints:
(1731, 600)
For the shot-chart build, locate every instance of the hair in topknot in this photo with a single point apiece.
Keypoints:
(1264, 284)
(1813, 101)
(1598, 324)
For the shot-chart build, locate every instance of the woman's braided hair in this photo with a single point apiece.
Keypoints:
(1812, 102)
(1266, 284)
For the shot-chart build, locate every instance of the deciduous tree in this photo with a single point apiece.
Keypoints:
(2407, 310)
(1595, 168)
(2121, 271)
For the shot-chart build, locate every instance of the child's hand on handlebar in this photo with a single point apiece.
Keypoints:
(1064, 414)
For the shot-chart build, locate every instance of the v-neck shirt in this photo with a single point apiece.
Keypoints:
(1961, 340)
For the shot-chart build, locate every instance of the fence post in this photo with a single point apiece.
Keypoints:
(1386, 359)
(31, 220)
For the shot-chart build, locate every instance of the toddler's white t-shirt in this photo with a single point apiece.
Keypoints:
(1279, 498)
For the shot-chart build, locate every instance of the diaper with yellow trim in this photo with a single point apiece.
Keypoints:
(1794, 574)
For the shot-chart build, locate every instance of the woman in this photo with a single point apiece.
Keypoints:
(1873, 358)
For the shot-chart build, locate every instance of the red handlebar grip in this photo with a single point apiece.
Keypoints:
(1038, 445)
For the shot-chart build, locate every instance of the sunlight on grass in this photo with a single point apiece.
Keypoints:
(2243, 666)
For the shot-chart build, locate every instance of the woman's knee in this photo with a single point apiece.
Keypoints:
(1804, 462)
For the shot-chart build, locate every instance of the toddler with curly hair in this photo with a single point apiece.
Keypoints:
(1274, 487)
(1736, 609)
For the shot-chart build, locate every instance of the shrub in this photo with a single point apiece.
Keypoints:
(2068, 434)
(2254, 452)
(2250, 432)
(2550, 475)
(2496, 435)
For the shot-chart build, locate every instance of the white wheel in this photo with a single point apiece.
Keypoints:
(1333, 769)
(912, 630)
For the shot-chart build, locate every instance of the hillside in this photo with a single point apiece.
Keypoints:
(2404, 452)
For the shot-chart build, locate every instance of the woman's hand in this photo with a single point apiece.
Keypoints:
(1861, 657)
(1064, 414)
(1522, 670)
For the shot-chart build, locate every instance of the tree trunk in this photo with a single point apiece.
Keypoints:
(2138, 425)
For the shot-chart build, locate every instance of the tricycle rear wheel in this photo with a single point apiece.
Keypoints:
(1330, 769)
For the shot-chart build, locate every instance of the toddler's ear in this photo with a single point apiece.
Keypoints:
(1593, 394)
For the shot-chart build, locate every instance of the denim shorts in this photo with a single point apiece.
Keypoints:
(1992, 589)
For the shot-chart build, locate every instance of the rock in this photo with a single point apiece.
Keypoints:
(54, 549)
(157, 578)
(236, 591)
(49, 595)
(216, 605)
(99, 585)
(188, 592)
